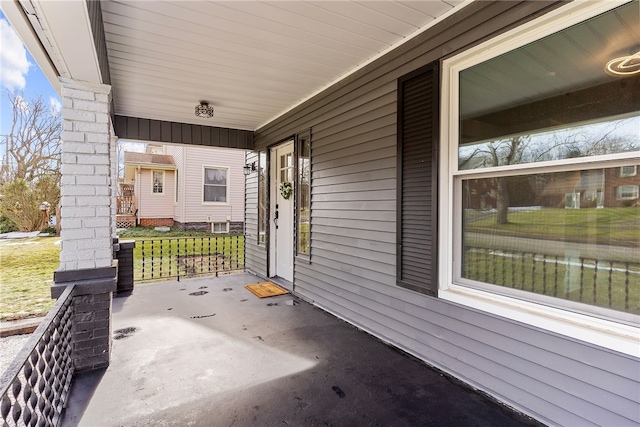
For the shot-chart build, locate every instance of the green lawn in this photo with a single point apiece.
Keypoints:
(608, 226)
(26, 276)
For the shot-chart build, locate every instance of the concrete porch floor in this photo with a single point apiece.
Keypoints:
(228, 358)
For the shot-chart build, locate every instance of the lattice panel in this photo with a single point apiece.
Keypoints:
(36, 385)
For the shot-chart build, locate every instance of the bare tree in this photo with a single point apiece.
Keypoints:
(32, 147)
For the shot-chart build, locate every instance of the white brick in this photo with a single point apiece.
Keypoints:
(77, 115)
(77, 94)
(103, 232)
(79, 147)
(102, 97)
(97, 181)
(102, 191)
(68, 180)
(69, 136)
(96, 222)
(71, 223)
(69, 158)
(102, 138)
(72, 169)
(93, 200)
(102, 118)
(92, 159)
(80, 190)
(67, 103)
(101, 170)
(84, 245)
(79, 234)
(68, 266)
(90, 127)
(67, 125)
(97, 107)
(102, 211)
(87, 264)
(66, 201)
(79, 212)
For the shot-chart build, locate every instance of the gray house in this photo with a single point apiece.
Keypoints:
(355, 196)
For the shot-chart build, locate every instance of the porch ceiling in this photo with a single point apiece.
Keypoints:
(251, 60)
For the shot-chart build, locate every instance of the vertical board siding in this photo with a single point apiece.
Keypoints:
(352, 269)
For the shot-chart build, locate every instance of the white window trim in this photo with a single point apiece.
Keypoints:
(624, 175)
(226, 223)
(204, 168)
(619, 190)
(611, 334)
(162, 193)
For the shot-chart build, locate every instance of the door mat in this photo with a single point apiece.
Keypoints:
(266, 289)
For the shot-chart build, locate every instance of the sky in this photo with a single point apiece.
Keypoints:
(19, 72)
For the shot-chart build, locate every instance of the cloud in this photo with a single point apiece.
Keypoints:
(56, 105)
(13, 59)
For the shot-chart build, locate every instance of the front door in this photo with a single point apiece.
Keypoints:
(282, 196)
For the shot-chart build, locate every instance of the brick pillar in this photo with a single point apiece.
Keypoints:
(86, 258)
(114, 183)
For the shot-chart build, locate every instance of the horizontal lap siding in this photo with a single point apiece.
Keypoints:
(195, 159)
(255, 255)
(352, 272)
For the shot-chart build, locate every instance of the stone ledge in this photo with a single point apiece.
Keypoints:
(86, 287)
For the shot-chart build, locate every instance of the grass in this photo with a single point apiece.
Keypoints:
(614, 285)
(607, 226)
(26, 276)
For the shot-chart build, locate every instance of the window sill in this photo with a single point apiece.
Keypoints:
(604, 333)
(215, 203)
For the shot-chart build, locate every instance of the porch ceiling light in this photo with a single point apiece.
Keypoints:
(625, 65)
(204, 110)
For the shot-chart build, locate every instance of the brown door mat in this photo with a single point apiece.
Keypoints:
(266, 289)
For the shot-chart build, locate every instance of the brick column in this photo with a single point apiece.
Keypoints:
(86, 258)
(114, 183)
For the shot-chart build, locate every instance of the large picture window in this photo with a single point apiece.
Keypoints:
(538, 140)
(215, 185)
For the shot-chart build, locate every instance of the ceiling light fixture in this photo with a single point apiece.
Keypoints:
(625, 65)
(204, 110)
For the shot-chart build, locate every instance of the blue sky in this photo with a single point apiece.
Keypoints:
(19, 72)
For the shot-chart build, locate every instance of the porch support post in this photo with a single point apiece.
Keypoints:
(113, 147)
(87, 229)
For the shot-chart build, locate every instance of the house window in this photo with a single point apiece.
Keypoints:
(157, 178)
(303, 201)
(262, 197)
(416, 209)
(220, 227)
(545, 139)
(215, 185)
(627, 192)
(628, 170)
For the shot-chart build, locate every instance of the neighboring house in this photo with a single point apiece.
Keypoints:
(191, 188)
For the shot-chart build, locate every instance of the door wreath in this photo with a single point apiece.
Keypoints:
(286, 189)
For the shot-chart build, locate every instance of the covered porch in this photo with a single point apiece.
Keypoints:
(229, 358)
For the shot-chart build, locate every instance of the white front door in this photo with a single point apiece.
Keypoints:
(281, 247)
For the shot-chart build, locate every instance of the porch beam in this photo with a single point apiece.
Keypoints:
(134, 128)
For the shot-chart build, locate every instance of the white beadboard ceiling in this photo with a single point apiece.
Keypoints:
(251, 60)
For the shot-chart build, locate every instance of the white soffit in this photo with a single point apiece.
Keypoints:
(251, 60)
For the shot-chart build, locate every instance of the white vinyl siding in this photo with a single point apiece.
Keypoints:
(152, 205)
(190, 161)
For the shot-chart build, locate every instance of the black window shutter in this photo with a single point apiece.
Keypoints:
(418, 122)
